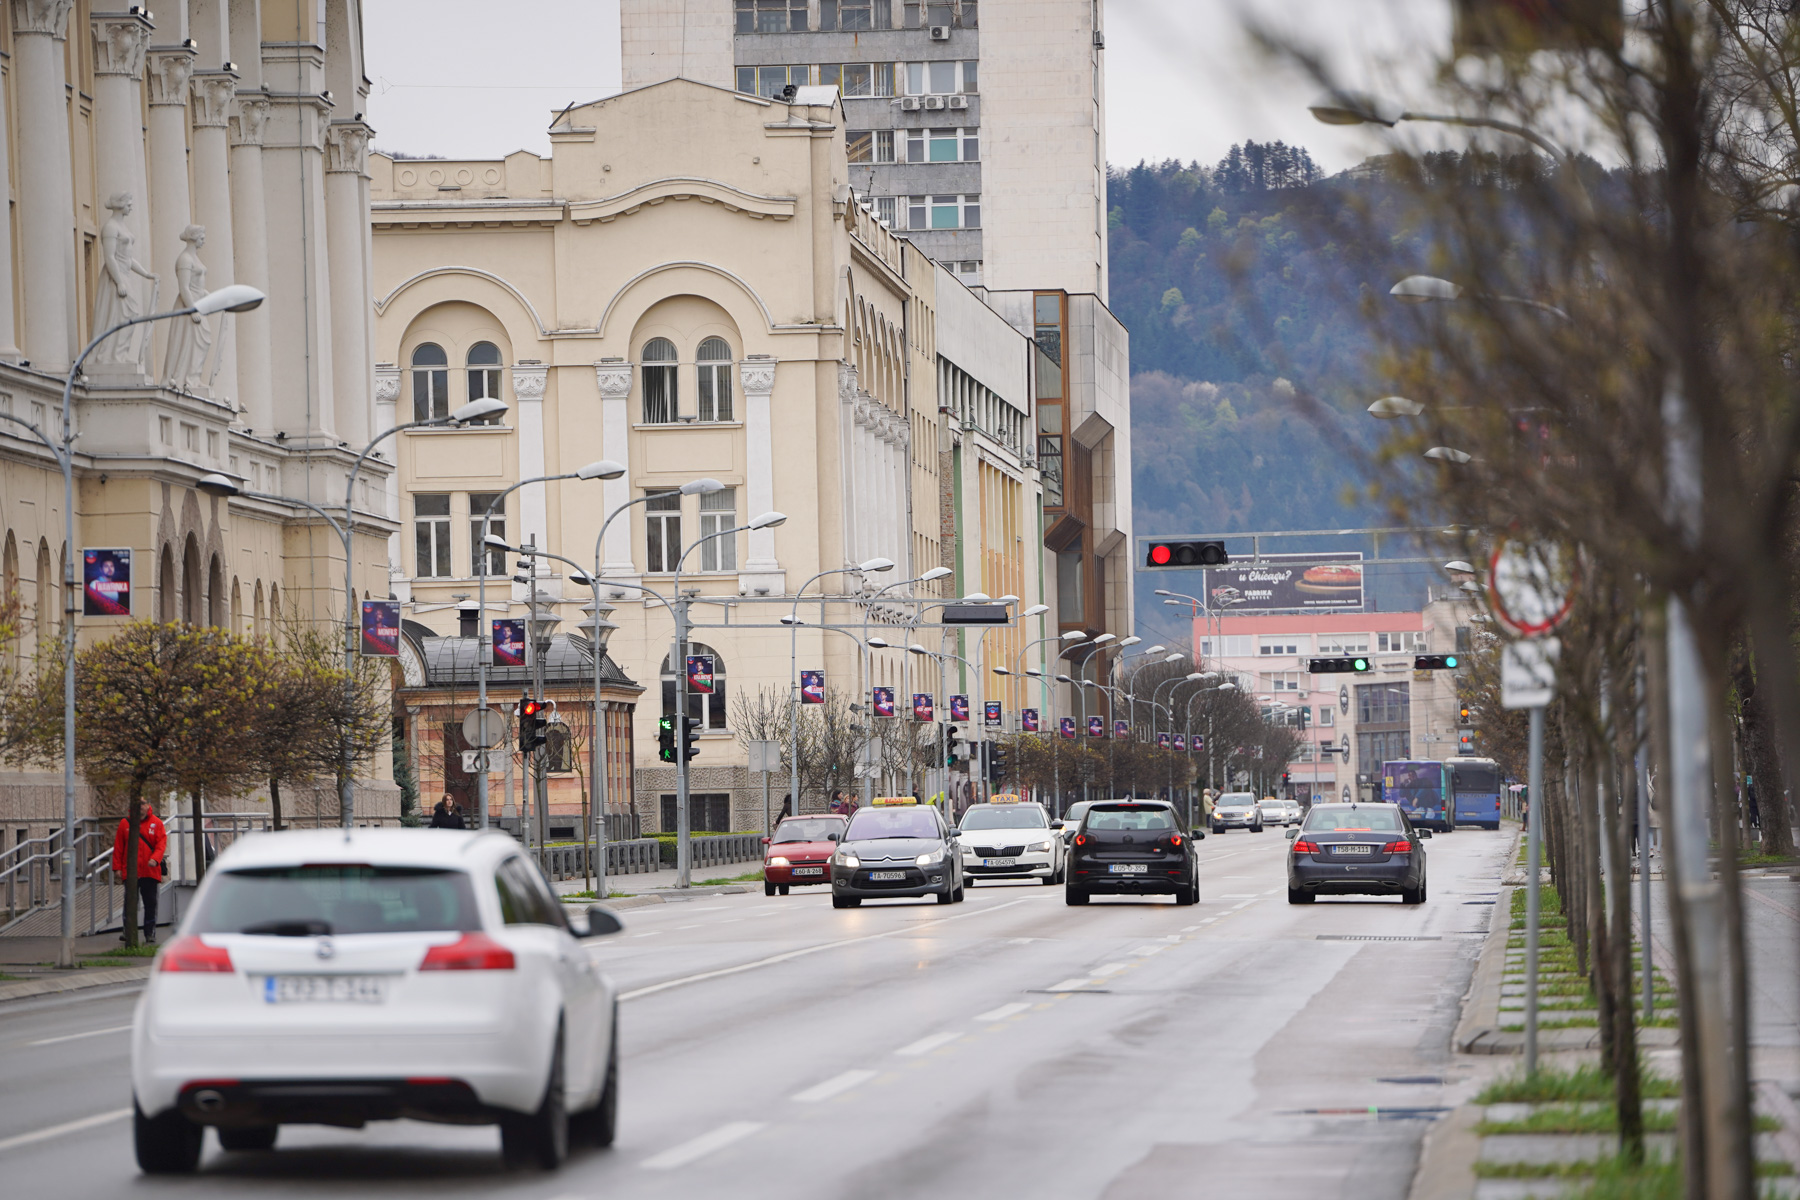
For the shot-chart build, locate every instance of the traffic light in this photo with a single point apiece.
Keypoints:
(1338, 666)
(953, 747)
(1285, 776)
(1464, 714)
(665, 739)
(690, 736)
(996, 760)
(1186, 554)
(1435, 662)
(532, 733)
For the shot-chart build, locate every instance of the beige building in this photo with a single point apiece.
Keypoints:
(148, 160)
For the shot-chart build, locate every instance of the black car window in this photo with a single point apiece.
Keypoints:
(1004, 816)
(1131, 819)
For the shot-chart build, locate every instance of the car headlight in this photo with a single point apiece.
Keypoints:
(1041, 846)
(926, 860)
(778, 861)
(844, 858)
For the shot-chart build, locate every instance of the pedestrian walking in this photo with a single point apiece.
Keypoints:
(447, 815)
(152, 852)
(787, 808)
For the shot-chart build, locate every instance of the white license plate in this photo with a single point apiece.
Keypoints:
(324, 989)
(1353, 849)
(999, 862)
(1129, 868)
(809, 870)
(886, 875)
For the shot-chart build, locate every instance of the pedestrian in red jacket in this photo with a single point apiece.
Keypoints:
(152, 850)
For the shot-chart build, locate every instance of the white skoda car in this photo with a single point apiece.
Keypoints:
(1010, 839)
(334, 978)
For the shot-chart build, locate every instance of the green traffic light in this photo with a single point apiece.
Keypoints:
(1450, 661)
(1362, 664)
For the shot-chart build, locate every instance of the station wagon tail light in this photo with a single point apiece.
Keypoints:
(470, 952)
(1174, 839)
(192, 954)
(1302, 846)
(1397, 848)
(1081, 839)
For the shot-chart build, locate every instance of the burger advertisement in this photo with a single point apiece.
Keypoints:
(1289, 583)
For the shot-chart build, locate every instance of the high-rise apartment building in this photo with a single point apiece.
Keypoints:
(975, 130)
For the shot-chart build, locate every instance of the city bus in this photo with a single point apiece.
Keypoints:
(1422, 789)
(1475, 789)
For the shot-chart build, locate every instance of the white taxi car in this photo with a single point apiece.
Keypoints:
(1010, 838)
(1237, 810)
(340, 977)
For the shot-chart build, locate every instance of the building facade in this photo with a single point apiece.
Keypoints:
(148, 159)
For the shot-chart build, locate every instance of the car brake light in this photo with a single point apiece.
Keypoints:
(1397, 848)
(1081, 839)
(192, 954)
(1302, 846)
(1174, 839)
(470, 952)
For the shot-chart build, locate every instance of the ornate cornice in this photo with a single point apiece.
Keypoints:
(120, 40)
(846, 382)
(248, 119)
(170, 69)
(42, 16)
(529, 380)
(214, 92)
(614, 380)
(387, 383)
(346, 148)
(757, 376)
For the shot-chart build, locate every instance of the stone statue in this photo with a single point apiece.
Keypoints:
(189, 338)
(115, 300)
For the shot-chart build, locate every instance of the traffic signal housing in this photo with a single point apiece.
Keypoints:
(532, 731)
(1175, 555)
(665, 739)
(690, 737)
(1436, 662)
(1464, 714)
(996, 760)
(1338, 666)
(953, 747)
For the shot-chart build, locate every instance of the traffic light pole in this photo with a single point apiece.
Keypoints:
(539, 779)
(683, 831)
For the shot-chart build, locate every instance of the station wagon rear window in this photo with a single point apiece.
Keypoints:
(1134, 819)
(334, 899)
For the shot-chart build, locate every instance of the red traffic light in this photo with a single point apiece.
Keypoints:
(1160, 555)
(1186, 554)
(530, 708)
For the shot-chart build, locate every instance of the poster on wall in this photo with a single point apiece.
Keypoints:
(509, 642)
(1028, 720)
(959, 708)
(1097, 727)
(883, 700)
(1289, 582)
(1067, 727)
(991, 713)
(922, 706)
(1122, 730)
(381, 628)
(1162, 741)
(1181, 742)
(812, 687)
(700, 673)
(106, 583)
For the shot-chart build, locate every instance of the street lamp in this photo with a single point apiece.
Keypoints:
(1449, 454)
(873, 565)
(1389, 408)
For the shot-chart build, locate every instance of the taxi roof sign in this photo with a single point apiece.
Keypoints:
(883, 801)
(1005, 798)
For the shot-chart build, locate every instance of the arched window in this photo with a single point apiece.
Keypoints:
(260, 618)
(484, 377)
(237, 607)
(710, 709)
(41, 610)
(191, 609)
(215, 594)
(662, 403)
(431, 382)
(165, 585)
(715, 379)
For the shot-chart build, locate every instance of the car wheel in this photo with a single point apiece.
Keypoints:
(1048, 879)
(543, 1136)
(1299, 896)
(948, 895)
(969, 881)
(845, 901)
(768, 888)
(960, 894)
(783, 889)
(1412, 895)
(1189, 894)
(1074, 895)
(249, 1137)
(600, 1124)
(166, 1144)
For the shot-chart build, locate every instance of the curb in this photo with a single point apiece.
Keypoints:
(1481, 1006)
(1447, 1157)
(642, 899)
(74, 981)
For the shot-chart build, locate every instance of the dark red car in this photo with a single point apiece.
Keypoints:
(800, 852)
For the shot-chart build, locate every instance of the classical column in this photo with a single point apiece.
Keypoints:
(757, 376)
(613, 376)
(171, 211)
(46, 191)
(214, 94)
(250, 258)
(387, 397)
(352, 307)
(528, 380)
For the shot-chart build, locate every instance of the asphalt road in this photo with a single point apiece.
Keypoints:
(1009, 1045)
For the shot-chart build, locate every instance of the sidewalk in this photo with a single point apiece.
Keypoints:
(656, 887)
(26, 965)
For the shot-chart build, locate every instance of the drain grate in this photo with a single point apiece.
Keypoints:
(1434, 1079)
(1378, 937)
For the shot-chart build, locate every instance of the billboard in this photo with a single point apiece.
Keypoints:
(700, 673)
(883, 699)
(991, 713)
(922, 706)
(381, 628)
(812, 687)
(959, 708)
(106, 584)
(1028, 720)
(1288, 582)
(1181, 742)
(509, 642)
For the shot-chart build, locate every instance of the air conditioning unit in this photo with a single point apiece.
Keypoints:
(1099, 40)
(934, 102)
(959, 102)
(909, 103)
(940, 33)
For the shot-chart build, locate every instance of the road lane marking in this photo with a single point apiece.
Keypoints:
(1070, 985)
(70, 1037)
(834, 1086)
(773, 959)
(679, 928)
(1147, 951)
(1189, 928)
(700, 1147)
(926, 1045)
(652, 933)
(1111, 968)
(1003, 1012)
(41, 1135)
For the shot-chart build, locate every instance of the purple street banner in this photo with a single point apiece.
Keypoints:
(1162, 741)
(884, 701)
(106, 583)
(812, 687)
(991, 713)
(1122, 730)
(700, 673)
(1097, 727)
(922, 706)
(1197, 743)
(959, 708)
(381, 628)
(1067, 727)
(509, 643)
(1181, 742)
(1028, 720)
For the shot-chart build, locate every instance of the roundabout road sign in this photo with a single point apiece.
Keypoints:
(1531, 587)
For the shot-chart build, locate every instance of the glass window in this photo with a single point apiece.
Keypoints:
(859, 79)
(1383, 704)
(915, 213)
(661, 400)
(662, 531)
(915, 79)
(715, 382)
(971, 145)
(807, 829)
(326, 899)
(431, 383)
(944, 213)
(718, 512)
(558, 745)
(746, 76)
(943, 77)
(524, 898)
(853, 14)
(484, 377)
(875, 824)
(496, 526)
(1050, 453)
(969, 76)
(708, 709)
(771, 16)
(431, 535)
(887, 210)
(1070, 609)
(945, 146)
(1003, 816)
(859, 146)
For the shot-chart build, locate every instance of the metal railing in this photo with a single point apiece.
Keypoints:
(634, 857)
(718, 849)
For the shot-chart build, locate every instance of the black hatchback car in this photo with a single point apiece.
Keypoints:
(1134, 848)
(897, 850)
(1357, 849)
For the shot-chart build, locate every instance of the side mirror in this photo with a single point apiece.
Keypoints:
(765, 841)
(601, 921)
(953, 831)
(832, 837)
(1293, 831)
(1424, 833)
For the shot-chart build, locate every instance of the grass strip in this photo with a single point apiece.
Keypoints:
(1586, 1082)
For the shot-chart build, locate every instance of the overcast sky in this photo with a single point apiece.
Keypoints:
(451, 78)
